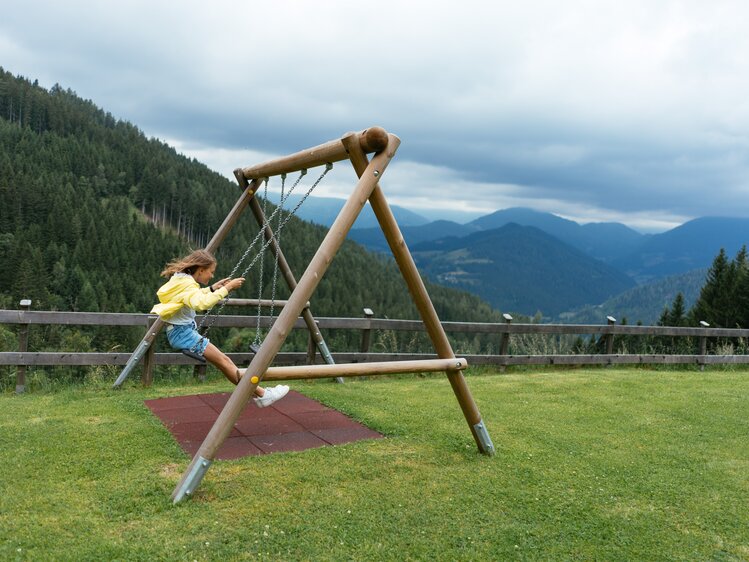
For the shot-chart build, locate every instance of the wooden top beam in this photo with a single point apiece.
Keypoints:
(373, 139)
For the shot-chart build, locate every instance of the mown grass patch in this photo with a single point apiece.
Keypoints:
(615, 464)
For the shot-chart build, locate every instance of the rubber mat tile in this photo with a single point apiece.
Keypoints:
(237, 448)
(258, 430)
(216, 401)
(298, 441)
(341, 435)
(196, 430)
(268, 425)
(187, 415)
(297, 404)
(323, 420)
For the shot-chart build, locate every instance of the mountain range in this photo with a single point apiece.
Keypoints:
(475, 256)
(692, 245)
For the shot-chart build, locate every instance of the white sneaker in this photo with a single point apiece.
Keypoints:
(271, 395)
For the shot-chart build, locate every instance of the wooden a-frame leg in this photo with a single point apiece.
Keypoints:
(423, 303)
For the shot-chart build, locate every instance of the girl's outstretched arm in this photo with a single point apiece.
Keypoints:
(203, 299)
(218, 284)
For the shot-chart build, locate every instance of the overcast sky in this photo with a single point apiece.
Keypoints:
(634, 111)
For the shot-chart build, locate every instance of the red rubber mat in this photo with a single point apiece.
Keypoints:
(294, 423)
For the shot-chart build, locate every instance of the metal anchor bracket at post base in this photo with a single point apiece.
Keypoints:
(193, 479)
(482, 436)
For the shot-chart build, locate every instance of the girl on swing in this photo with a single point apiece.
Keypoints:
(181, 296)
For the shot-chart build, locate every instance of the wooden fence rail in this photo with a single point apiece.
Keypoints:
(25, 318)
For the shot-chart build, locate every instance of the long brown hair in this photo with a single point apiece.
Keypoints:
(189, 264)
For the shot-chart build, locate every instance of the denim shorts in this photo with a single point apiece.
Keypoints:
(186, 336)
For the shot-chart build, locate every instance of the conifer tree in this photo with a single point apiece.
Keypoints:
(723, 300)
(709, 304)
(677, 314)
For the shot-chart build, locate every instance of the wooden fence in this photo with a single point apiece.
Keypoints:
(24, 318)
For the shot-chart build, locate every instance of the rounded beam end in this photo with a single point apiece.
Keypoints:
(241, 179)
(374, 139)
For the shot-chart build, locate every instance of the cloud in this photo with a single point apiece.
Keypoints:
(633, 111)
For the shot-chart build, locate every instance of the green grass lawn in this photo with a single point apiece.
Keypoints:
(591, 464)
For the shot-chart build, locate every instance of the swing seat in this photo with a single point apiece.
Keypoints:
(194, 355)
(254, 348)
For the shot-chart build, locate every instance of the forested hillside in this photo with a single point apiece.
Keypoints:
(641, 304)
(91, 209)
(520, 269)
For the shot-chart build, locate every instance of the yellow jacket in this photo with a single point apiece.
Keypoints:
(183, 290)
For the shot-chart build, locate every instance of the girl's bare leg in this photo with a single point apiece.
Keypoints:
(221, 361)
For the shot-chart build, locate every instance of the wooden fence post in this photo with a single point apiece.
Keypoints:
(366, 333)
(610, 337)
(504, 340)
(23, 347)
(703, 344)
(146, 377)
(199, 371)
(312, 346)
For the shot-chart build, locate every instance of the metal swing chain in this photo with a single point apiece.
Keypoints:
(274, 286)
(274, 281)
(210, 313)
(261, 272)
(213, 315)
(286, 219)
(265, 224)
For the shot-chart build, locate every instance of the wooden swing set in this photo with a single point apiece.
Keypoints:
(354, 147)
